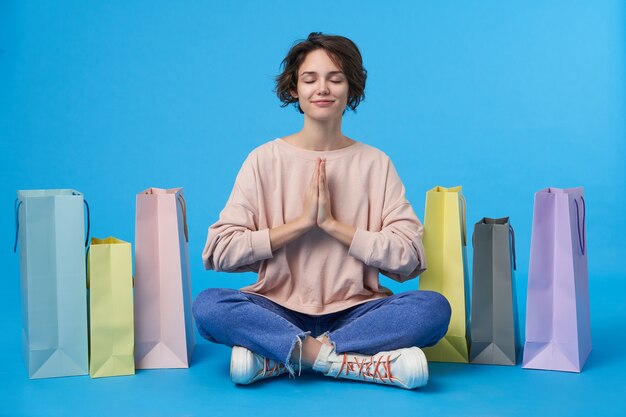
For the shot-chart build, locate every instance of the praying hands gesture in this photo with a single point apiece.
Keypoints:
(316, 213)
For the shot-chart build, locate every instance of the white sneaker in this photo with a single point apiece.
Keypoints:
(247, 367)
(405, 368)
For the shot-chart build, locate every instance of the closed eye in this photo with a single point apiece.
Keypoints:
(310, 82)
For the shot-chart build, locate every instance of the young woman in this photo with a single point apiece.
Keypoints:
(318, 215)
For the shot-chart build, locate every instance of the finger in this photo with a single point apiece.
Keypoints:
(325, 180)
(317, 194)
(317, 171)
(315, 175)
(323, 188)
(320, 184)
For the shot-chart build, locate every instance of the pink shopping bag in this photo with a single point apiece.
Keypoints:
(164, 332)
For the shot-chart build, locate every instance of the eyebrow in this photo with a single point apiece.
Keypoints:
(330, 73)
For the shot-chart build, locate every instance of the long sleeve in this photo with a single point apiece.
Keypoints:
(234, 242)
(397, 249)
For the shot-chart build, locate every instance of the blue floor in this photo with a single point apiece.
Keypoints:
(453, 390)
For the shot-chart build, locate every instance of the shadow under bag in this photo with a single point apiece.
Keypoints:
(494, 322)
(558, 324)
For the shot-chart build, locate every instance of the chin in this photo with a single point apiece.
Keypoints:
(328, 116)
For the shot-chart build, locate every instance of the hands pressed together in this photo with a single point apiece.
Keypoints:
(316, 213)
(317, 207)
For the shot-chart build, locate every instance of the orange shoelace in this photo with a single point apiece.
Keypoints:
(365, 366)
(275, 369)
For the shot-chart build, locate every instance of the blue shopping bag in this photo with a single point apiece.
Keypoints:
(51, 234)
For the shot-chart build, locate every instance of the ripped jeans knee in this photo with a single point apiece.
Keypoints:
(298, 341)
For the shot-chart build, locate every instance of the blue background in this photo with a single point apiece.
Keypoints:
(503, 98)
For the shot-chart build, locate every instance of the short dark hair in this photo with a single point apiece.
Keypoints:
(341, 50)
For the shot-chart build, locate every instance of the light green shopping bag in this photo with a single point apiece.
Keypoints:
(110, 282)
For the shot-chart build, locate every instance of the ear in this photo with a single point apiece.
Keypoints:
(293, 94)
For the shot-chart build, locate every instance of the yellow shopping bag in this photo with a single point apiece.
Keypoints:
(111, 329)
(445, 246)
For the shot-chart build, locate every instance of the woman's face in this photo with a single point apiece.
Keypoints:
(322, 87)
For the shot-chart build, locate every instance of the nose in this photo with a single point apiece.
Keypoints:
(323, 88)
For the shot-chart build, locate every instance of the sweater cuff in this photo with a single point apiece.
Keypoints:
(261, 245)
(361, 246)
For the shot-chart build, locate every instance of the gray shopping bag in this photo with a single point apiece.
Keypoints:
(494, 329)
(51, 232)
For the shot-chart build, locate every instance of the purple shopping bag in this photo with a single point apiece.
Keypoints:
(558, 327)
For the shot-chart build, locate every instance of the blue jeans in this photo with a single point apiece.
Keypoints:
(231, 317)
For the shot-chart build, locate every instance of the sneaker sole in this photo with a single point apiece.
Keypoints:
(242, 357)
(420, 358)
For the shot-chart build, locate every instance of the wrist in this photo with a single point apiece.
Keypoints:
(329, 226)
(340, 231)
(304, 223)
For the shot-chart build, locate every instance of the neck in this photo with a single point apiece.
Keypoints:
(321, 136)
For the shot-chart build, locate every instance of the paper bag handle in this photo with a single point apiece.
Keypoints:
(183, 205)
(462, 210)
(511, 245)
(17, 222)
(87, 283)
(88, 218)
(512, 233)
(88, 222)
(581, 238)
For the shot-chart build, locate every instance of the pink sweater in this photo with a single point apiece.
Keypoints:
(315, 273)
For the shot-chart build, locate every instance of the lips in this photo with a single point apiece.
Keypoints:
(323, 103)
